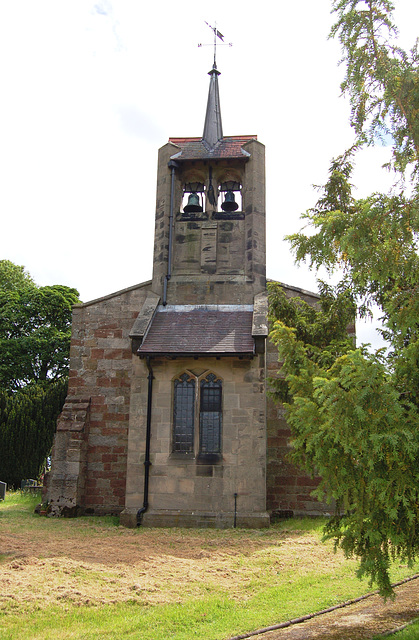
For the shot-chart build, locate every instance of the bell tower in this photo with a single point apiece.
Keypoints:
(166, 419)
(210, 249)
(198, 384)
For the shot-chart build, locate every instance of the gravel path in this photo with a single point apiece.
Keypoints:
(360, 621)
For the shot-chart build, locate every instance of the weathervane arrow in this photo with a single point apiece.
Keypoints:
(217, 34)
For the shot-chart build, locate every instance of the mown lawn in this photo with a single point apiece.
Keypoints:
(411, 632)
(89, 578)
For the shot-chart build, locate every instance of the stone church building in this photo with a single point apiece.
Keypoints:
(167, 420)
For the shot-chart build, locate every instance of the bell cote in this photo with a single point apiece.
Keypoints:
(210, 215)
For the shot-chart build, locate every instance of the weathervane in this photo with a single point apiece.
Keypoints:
(219, 35)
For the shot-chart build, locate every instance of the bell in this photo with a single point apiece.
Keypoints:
(229, 203)
(193, 205)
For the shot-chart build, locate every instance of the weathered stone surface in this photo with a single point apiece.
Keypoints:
(209, 247)
(143, 320)
(205, 519)
(74, 414)
(99, 456)
(100, 372)
(260, 315)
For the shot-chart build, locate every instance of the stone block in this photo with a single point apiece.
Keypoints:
(101, 440)
(186, 485)
(231, 401)
(128, 518)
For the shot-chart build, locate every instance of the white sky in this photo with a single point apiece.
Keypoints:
(91, 90)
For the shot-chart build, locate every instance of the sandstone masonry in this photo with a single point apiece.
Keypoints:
(167, 420)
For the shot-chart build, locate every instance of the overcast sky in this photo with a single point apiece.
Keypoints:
(91, 90)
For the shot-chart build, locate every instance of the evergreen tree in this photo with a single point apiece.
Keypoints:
(35, 332)
(355, 415)
(27, 427)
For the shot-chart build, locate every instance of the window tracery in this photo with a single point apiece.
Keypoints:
(197, 414)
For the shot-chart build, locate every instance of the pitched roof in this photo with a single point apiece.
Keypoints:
(199, 332)
(196, 148)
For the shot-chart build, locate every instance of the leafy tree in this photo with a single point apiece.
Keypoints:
(35, 328)
(13, 276)
(355, 416)
(35, 331)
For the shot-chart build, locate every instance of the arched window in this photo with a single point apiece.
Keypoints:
(197, 414)
(184, 414)
(210, 415)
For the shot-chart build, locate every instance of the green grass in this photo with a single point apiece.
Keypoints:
(213, 618)
(23, 501)
(265, 590)
(411, 632)
(19, 506)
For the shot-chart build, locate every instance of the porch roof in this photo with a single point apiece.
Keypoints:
(200, 331)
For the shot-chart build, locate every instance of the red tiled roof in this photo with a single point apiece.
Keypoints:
(199, 332)
(194, 148)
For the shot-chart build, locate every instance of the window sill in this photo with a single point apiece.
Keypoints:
(179, 455)
(201, 458)
(209, 458)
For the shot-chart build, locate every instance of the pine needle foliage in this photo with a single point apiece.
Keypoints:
(355, 414)
(382, 80)
(27, 425)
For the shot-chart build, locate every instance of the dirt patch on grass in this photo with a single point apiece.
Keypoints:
(153, 567)
(81, 562)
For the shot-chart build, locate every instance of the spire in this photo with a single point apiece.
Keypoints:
(213, 128)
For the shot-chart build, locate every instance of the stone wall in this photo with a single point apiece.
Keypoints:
(98, 458)
(184, 491)
(90, 449)
(218, 258)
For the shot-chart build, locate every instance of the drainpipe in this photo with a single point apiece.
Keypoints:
(147, 463)
(172, 165)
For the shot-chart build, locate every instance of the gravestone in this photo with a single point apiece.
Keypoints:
(3, 487)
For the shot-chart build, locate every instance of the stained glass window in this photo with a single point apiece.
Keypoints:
(183, 414)
(208, 410)
(210, 415)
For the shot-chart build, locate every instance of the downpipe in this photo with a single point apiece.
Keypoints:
(172, 166)
(147, 463)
